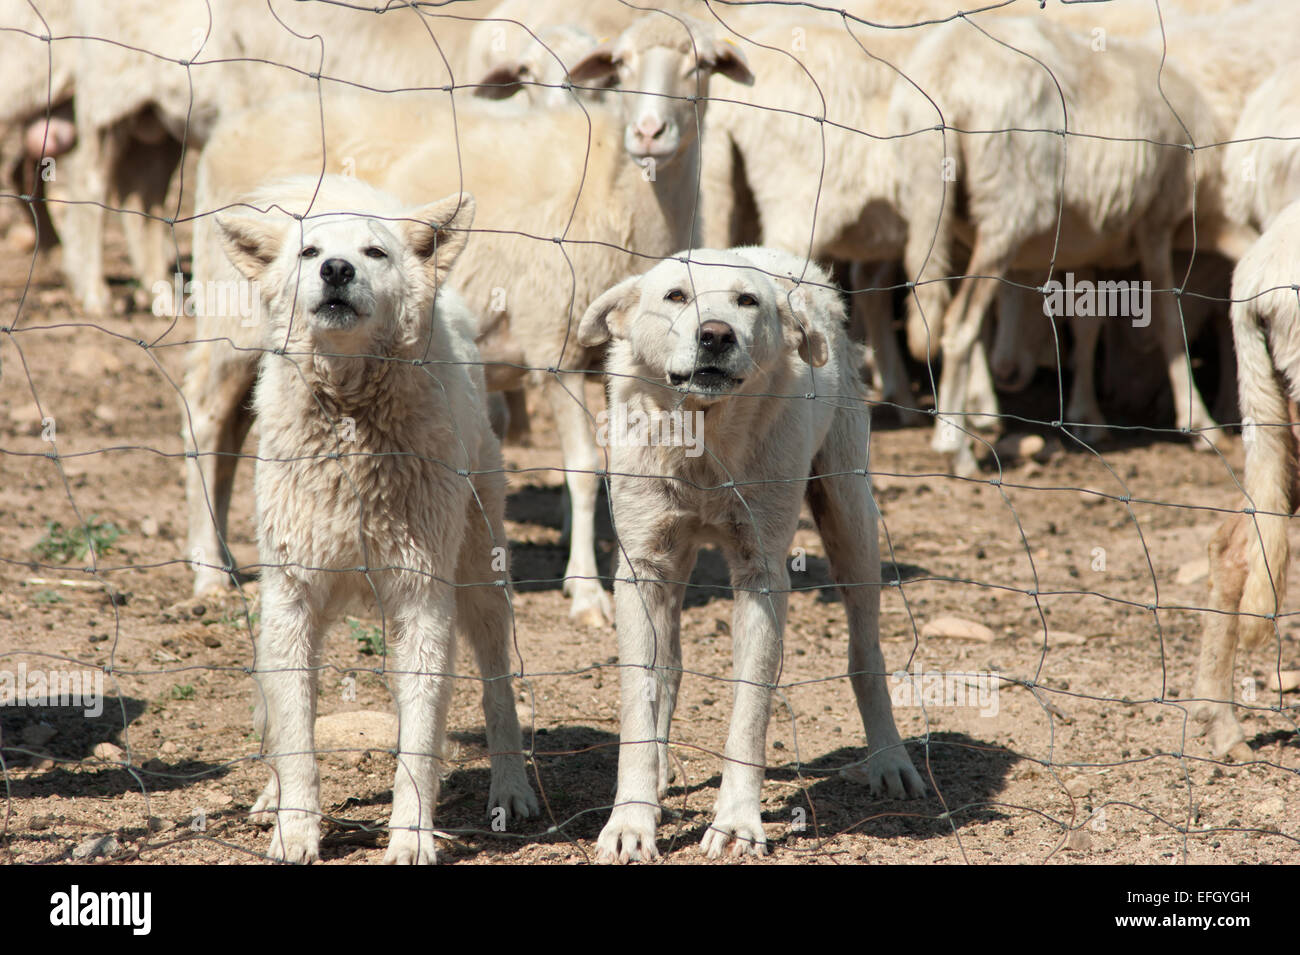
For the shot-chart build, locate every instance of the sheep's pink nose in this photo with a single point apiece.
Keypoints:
(650, 126)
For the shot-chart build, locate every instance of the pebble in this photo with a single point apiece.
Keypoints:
(1272, 806)
(956, 628)
(1290, 681)
(96, 846)
(109, 753)
(1065, 638)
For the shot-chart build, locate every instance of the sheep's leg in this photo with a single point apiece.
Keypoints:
(963, 323)
(982, 399)
(566, 391)
(81, 224)
(1082, 407)
(871, 321)
(1190, 413)
(1214, 690)
(215, 420)
(140, 182)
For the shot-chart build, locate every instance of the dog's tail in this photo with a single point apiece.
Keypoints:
(1270, 474)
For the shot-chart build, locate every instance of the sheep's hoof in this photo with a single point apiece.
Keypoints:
(1241, 753)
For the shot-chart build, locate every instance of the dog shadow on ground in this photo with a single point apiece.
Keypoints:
(575, 769)
(572, 773)
(824, 801)
(63, 739)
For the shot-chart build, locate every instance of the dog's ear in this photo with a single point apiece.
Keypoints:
(502, 81)
(606, 317)
(251, 241)
(799, 332)
(723, 56)
(436, 234)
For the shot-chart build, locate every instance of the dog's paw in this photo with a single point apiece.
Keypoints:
(296, 838)
(743, 832)
(890, 774)
(509, 790)
(591, 606)
(263, 811)
(411, 847)
(629, 836)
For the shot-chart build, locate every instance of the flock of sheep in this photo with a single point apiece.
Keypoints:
(962, 161)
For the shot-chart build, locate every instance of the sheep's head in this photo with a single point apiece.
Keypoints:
(660, 69)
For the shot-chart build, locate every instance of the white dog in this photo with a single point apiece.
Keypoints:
(377, 477)
(726, 351)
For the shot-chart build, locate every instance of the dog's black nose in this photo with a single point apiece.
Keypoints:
(716, 337)
(337, 272)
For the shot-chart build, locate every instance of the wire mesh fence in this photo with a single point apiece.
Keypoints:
(252, 492)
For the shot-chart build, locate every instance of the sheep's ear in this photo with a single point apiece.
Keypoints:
(502, 81)
(606, 317)
(803, 335)
(251, 241)
(725, 57)
(437, 233)
(597, 68)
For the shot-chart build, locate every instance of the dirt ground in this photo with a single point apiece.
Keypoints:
(1099, 552)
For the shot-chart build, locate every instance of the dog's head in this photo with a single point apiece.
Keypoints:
(363, 271)
(712, 329)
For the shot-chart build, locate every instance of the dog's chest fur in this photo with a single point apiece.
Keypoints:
(359, 470)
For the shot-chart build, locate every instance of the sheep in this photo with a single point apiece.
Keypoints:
(815, 66)
(529, 44)
(823, 98)
(135, 108)
(570, 201)
(1261, 165)
(1264, 37)
(1023, 340)
(1115, 190)
(538, 69)
(1249, 553)
(36, 115)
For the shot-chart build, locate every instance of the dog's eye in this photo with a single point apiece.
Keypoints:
(310, 252)
(677, 296)
(375, 252)
(745, 300)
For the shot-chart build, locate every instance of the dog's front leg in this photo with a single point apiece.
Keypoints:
(424, 657)
(286, 652)
(483, 611)
(758, 621)
(648, 613)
